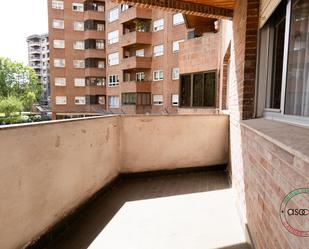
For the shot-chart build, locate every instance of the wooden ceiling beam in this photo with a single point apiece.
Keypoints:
(188, 8)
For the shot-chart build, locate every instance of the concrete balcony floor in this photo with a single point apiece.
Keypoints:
(183, 211)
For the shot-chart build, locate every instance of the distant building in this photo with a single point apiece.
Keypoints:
(38, 59)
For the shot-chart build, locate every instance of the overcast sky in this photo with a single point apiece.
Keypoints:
(18, 20)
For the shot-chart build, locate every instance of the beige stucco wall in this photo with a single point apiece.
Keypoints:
(47, 170)
(169, 142)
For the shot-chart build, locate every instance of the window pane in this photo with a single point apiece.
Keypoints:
(198, 90)
(210, 89)
(297, 89)
(185, 90)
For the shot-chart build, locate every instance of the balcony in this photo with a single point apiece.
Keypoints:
(35, 51)
(94, 71)
(95, 53)
(94, 15)
(136, 86)
(135, 13)
(60, 165)
(136, 38)
(136, 62)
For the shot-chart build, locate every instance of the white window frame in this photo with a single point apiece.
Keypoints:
(60, 81)
(79, 45)
(178, 19)
(99, 44)
(58, 24)
(80, 100)
(116, 102)
(113, 80)
(157, 75)
(113, 61)
(140, 76)
(278, 114)
(140, 53)
(158, 50)
(78, 26)
(79, 82)
(79, 63)
(113, 37)
(158, 25)
(114, 11)
(175, 99)
(78, 7)
(176, 46)
(59, 44)
(60, 100)
(57, 5)
(157, 99)
(59, 62)
(175, 71)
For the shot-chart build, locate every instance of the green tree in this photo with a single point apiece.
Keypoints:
(10, 106)
(28, 100)
(18, 80)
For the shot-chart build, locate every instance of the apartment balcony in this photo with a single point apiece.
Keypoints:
(35, 58)
(95, 53)
(135, 13)
(94, 34)
(61, 165)
(136, 86)
(94, 71)
(136, 62)
(136, 38)
(95, 90)
(94, 15)
(35, 51)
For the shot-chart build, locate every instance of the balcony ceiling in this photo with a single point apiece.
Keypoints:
(219, 9)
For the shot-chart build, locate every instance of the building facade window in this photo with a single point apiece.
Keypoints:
(113, 59)
(58, 24)
(158, 50)
(79, 45)
(80, 100)
(113, 37)
(99, 44)
(79, 63)
(61, 100)
(178, 19)
(113, 80)
(142, 99)
(176, 45)
(157, 99)
(113, 101)
(140, 52)
(78, 26)
(79, 7)
(125, 7)
(175, 99)
(79, 82)
(113, 14)
(59, 44)
(60, 81)
(56, 4)
(140, 76)
(158, 25)
(175, 73)
(95, 81)
(59, 62)
(198, 90)
(283, 64)
(158, 75)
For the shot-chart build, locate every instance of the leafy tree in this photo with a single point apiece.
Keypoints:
(18, 80)
(28, 100)
(10, 105)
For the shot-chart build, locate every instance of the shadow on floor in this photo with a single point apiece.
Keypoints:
(92, 221)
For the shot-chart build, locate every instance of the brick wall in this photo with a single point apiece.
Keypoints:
(270, 173)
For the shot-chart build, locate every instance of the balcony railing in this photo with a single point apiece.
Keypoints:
(134, 13)
(49, 169)
(136, 38)
(136, 86)
(136, 62)
(94, 15)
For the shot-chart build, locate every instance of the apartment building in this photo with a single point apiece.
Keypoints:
(113, 58)
(38, 59)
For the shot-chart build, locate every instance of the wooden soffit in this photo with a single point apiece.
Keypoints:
(219, 9)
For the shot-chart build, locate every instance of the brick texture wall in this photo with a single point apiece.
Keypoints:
(270, 172)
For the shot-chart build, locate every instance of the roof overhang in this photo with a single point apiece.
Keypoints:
(206, 8)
